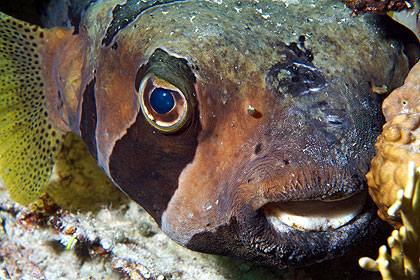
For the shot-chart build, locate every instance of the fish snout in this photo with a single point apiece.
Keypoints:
(300, 213)
(310, 199)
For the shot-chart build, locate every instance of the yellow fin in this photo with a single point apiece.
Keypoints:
(28, 140)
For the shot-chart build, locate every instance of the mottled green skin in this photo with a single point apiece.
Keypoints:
(312, 138)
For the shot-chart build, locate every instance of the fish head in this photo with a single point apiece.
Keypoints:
(237, 137)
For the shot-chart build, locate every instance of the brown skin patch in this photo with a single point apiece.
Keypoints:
(116, 99)
(63, 61)
(300, 153)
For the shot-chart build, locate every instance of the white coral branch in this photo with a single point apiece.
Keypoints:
(401, 260)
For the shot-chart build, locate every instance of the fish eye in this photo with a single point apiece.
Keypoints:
(163, 105)
(162, 100)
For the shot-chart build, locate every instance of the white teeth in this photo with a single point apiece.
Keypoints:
(314, 215)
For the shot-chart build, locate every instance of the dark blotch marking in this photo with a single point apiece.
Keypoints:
(331, 115)
(295, 74)
(89, 118)
(122, 15)
(147, 164)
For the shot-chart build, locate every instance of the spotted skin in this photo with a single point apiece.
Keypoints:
(207, 184)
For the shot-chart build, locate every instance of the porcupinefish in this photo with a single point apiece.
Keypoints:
(244, 128)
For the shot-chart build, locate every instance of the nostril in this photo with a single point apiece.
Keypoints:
(325, 112)
(336, 122)
(334, 118)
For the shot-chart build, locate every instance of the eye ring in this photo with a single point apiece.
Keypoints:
(163, 105)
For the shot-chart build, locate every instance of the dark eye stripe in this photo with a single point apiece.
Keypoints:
(122, 15)
(146, 165)
(88, 119)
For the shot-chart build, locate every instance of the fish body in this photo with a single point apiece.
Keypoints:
(243, 128)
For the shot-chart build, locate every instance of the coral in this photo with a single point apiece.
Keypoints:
(377, 7)
(402, 262)
(398, 144)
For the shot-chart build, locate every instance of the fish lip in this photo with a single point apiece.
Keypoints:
(306, 179)
(292, 193)
(302, 248)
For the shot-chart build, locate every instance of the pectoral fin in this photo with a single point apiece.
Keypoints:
(29, 142)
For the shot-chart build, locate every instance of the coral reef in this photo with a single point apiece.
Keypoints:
(402, 262)
(398, 144)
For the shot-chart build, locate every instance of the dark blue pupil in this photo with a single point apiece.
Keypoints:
(162, 100)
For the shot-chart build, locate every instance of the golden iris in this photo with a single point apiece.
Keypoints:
(163, 104)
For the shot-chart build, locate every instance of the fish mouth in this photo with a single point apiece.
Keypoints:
(303, 232)
(315, 215)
